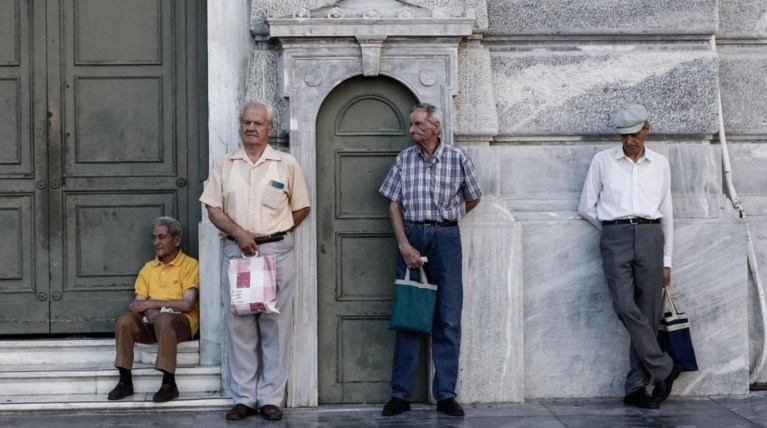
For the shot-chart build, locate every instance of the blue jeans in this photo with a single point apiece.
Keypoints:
(442, 245)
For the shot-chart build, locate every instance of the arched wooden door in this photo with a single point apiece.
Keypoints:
(361, 127)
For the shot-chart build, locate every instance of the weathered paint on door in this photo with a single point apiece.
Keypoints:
(361, 127)
(98, 136)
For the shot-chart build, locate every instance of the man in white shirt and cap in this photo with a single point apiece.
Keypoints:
(627, 195)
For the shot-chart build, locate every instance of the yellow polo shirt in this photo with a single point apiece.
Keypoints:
(260, 197)
(158, 281)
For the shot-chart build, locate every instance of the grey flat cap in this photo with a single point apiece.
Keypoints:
(630, 119)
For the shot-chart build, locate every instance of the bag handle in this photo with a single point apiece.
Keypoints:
(667, 297)
(423, 273)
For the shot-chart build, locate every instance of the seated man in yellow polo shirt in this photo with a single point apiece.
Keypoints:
(165, 311)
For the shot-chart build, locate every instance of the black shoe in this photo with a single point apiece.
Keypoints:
(395, 406)
(663, 387)
(166, 392)
(641, 399)
(240, 411)
(121, 391)
(450, 407)
(271, 412)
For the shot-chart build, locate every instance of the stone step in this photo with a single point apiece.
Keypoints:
(98, 402)
(84, 351)
(69, 379)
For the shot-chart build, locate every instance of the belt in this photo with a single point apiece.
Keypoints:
(274, 237)
(635, 220)
(436, 223)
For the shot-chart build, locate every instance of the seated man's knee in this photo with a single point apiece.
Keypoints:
(126, 319)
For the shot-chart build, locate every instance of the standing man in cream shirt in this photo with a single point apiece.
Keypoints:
(257, 196)
(627, 195)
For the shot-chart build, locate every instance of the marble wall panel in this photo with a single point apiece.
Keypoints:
(566, 93)
(576, 347)
(549, 178)
(749, 167)
(743, 72)
(742, 19)
(756, 316)
(602, 17)
(491, 363)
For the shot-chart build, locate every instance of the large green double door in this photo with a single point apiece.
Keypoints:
(98, 136)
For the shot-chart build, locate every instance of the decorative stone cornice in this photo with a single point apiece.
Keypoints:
(367, 18)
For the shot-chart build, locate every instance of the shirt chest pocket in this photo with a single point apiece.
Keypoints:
(274, 194)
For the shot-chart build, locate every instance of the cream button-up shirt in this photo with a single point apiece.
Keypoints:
(616, 188)
(260, 197)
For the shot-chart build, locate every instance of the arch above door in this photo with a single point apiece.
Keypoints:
(322, 48)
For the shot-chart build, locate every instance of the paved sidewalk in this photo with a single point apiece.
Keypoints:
(714, 412)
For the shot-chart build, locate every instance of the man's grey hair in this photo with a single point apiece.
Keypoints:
(173, 225)
(434, 114)
(257, 104)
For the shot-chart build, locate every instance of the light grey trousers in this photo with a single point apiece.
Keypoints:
(632, 260)
(258, 343)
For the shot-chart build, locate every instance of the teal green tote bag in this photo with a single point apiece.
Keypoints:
(414, 303)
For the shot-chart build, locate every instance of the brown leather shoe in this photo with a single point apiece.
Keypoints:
(240, 411)
(120, 391)
(167, 392)
(271, 412)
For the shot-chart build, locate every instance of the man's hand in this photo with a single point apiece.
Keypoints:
(412, 257)
(666, 276)
(247, 242)
(139, 306)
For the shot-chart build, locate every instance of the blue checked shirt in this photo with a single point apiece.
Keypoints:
(432, 192)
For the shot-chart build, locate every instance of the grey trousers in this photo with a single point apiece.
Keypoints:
(632, 260)
(258, 343)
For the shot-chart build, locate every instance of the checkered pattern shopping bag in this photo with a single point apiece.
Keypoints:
(253, 285)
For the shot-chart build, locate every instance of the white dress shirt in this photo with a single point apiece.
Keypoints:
(617, 188)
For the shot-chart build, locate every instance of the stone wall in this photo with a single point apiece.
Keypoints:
(538, 83)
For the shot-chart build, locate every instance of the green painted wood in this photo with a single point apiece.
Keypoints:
(361, 127)
(118, 82)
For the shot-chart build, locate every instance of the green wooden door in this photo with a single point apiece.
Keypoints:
(361, 127)
(106, 95)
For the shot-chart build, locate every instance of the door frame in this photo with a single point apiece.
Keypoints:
(422, 57)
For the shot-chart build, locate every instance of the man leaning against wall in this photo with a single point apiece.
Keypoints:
(627, 196)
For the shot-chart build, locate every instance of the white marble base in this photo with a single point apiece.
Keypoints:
(576, 347)
(491, 365)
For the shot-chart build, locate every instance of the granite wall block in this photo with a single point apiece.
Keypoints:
(552, 17)
(475, 113)
(572, 334)
(265, 84)
(742, 19)
(576, 92)
(756, 320)
(743, 81)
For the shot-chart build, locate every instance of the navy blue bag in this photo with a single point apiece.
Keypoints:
(674, 335)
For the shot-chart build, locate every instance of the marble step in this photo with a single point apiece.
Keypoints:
(139, 401)
(72, 379)
(84, 351)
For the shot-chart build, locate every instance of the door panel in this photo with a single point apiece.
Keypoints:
(361, 127)
(98, 128)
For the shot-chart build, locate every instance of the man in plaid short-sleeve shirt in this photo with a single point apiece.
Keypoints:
(431, 187)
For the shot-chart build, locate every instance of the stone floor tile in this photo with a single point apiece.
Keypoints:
(719, 420)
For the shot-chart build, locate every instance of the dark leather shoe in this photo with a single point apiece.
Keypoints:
(641, 399)
(395, 406)
(450, 407)
(663, 387)
(271, 412)
(166, 392)
(240, 411)
(121, 391)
